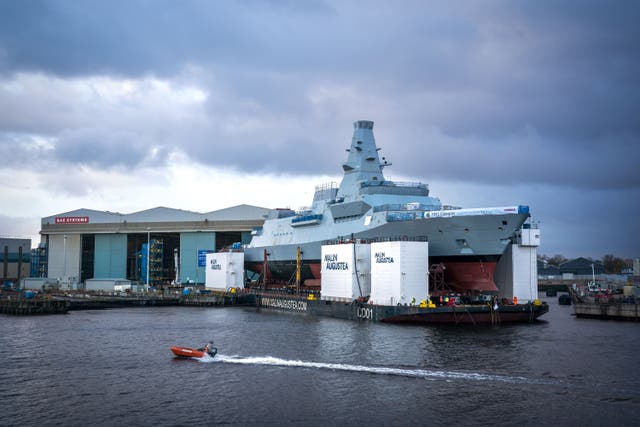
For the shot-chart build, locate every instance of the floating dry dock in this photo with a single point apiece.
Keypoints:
(405, 314)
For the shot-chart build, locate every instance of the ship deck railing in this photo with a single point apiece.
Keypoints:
(403, 207)
(393, 184)
(349, 239)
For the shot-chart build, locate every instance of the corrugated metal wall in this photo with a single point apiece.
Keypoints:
(59, 250)
(110, 256)
(190, 244)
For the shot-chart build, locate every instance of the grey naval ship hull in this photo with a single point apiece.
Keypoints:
(366, 206)
(468, 246)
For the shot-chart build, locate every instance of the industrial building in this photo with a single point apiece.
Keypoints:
(15, 257)
(158, 246)
(578, 267)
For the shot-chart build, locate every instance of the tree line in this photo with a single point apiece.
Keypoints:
(612, 264)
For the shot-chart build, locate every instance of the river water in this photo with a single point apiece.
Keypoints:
(114, 367)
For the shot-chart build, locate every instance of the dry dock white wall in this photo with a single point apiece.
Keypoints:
(345, 271)
(517, 271)
(399, 272)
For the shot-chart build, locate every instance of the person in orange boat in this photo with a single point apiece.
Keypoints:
(210, 349)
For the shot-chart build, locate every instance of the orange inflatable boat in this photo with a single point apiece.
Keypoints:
(193, 352)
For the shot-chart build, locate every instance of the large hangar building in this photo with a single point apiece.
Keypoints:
(161, 244)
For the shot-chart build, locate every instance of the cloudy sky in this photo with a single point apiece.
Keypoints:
(201, 105)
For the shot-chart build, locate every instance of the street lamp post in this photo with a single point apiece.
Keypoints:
(148, 251)
(64, 275)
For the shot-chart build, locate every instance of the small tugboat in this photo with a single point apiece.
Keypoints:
(188, 352)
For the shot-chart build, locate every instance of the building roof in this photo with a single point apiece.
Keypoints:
(13, 244)
(158, 219)
(581, 265)
(95, 216)
(547, 270)
(162, 214)
(239, 212)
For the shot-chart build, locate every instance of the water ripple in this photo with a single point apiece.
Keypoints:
(379, 370)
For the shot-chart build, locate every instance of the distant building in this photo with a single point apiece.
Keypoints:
(636, 267)
(570, 269)
(15, 259)
(546, 271)
(581, 267)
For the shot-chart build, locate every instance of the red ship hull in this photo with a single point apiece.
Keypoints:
(461, 276)
(471, 276)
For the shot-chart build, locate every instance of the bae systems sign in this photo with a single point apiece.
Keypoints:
(72, 220)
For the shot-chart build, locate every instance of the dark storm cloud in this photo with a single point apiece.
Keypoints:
(136, 37)
(459, 88)
(605, 162)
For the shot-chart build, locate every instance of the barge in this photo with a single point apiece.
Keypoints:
(381, 281)
(428, 314)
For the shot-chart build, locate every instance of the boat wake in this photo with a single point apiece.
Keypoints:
(378, 370)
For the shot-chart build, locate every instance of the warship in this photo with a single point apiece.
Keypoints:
(466, 243)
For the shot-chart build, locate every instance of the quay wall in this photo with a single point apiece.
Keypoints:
(617, 311)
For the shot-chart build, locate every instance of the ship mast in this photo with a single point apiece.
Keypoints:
(363, 163)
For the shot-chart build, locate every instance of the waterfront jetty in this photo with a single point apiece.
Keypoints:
(99, 302)
(19, 304)
(29, 302)
(218, 299)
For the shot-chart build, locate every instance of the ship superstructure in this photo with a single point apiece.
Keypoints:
(468, 242)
